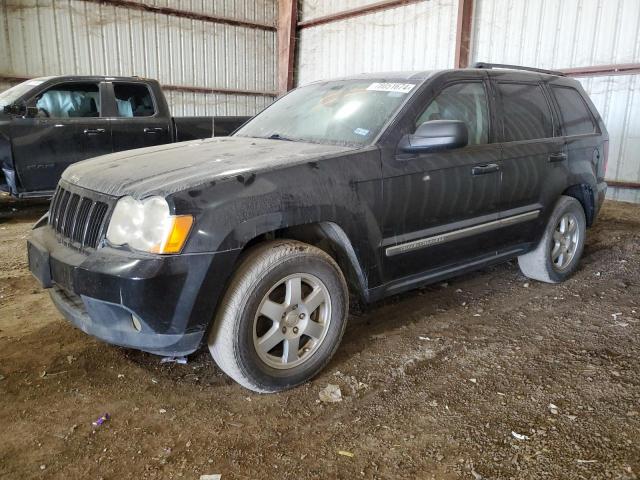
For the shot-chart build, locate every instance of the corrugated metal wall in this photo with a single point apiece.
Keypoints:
(575, 33)
(53, 37)
(417, 36)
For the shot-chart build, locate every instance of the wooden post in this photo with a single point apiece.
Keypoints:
(463, 34)
(287, 22)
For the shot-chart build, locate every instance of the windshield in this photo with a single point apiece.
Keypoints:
(8, 97)
(345, 112)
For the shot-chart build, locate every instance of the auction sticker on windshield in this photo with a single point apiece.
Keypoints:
(391, 87)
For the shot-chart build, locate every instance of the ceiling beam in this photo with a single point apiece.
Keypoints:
(463, 33)
(355, 12)
(287, 21)
(603, 70)
(174, 12)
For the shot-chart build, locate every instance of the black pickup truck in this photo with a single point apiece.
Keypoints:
(48, 123)
(352, 189)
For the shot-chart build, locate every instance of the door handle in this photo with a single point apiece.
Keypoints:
(153, 130)
(484, 169)
(93, 131)
(557, 157)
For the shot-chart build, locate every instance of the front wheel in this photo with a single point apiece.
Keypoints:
(557, 255)
(282, 317)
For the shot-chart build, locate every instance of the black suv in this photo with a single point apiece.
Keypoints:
(359, 188)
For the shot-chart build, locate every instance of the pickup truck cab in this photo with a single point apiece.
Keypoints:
(49, 123)
(350, 189)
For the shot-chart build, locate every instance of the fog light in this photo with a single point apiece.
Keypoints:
(137, 324)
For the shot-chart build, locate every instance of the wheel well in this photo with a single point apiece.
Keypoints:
(584, 194)
(323, 236)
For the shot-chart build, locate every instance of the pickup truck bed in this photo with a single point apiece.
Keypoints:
(49, 123)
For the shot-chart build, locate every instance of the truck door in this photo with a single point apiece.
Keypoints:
(67, 127)
(440, 206)
(137, 122)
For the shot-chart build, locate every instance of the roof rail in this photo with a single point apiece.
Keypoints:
(516, 67)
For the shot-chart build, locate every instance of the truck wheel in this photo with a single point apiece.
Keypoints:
(557, 255)
(282, 317)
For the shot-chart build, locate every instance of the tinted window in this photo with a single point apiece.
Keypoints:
(575, 115)
(526, 112)
(133, 100)
(466, 102)
(69, 100)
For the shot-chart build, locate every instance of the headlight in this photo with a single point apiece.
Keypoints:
(148, 226)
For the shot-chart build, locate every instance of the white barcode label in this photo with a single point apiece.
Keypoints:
(391, 87)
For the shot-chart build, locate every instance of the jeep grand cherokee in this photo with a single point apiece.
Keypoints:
(356, 188)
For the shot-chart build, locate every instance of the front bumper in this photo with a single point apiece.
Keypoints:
(171, 297)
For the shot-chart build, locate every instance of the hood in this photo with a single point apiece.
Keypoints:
(166, 169)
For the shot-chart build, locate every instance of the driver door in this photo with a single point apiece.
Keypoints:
(67, 127)
(438, 206)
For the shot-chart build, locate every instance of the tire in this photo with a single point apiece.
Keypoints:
(557, 255)
(262, 302)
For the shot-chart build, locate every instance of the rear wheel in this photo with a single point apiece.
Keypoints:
(557, 255)
(282, 317)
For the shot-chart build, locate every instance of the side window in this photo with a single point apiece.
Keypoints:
(575, 116)
(133, 100)
(466, 102)
(69, 100)
(526, 112)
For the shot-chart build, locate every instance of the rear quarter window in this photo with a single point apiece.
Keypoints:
(575, 114)
(526, 112)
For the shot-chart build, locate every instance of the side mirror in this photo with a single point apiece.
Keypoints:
(436, 135)
(15, 109)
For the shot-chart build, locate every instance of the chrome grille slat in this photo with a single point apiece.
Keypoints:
(77, 218)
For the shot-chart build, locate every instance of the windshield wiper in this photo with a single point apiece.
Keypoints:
(277, 136)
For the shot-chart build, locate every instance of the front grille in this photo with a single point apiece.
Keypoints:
(77, 218)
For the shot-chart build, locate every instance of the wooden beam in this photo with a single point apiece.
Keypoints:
(356, 12)
(603, 70)
(463, 33)
(287, 21)
(136, 5)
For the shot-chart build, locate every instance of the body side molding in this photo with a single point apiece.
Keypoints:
(461, 233)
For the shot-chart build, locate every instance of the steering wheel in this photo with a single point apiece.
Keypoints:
(44, 112)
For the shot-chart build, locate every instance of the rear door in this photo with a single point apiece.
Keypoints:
(438, 204)
(137, 120)
(68, 127)
(534, 160)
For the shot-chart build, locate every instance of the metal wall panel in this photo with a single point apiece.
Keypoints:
(54, 37)
(556, 34)
(418, 36)
(190, 104)
(617, 98)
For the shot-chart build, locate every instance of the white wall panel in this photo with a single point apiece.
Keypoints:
(56, 37)
(555, 33)
(418, 36)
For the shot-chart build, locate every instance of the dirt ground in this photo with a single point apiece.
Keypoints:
(434, 383)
